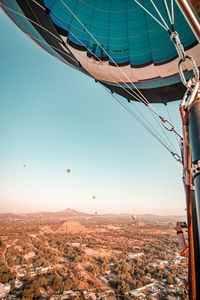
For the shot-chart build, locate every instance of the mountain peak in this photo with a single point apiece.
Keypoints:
(70, 210)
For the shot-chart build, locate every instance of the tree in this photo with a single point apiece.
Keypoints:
(68, 284)
(43, 281)
(170, 280)
(123, 287)
(58, 284)
(139, 284)
(12, 286)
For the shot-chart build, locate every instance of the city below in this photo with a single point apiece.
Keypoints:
(74, 255)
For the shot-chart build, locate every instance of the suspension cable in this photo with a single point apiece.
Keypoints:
(167, 8)
(169, 116)
(172, 10)
(142, 115)
(164, 132)
(151, 15)
(160, 15)
(129, 110)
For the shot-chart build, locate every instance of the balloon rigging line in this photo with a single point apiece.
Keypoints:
(39, 5)
(94, 78)
(172, 10)
(33, 12)
(160, 15)
(18, 13)
(172, 22)
(164, 132)
(171, 122)
(166, 28)
(132, 93)
(157, 122)
(142, 123)
(128, 109)
(37, 24)
(77, 14)
(64, 53)
(158, 133)
(167, 8)
(128, 36)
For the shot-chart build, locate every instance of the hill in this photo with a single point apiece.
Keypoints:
(71, 226)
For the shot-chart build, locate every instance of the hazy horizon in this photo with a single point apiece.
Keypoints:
(87, 212)
(50, 125)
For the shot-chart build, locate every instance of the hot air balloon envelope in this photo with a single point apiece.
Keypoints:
(115, 42)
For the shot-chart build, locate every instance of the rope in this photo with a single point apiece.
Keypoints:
(39, 5)
(160, 15)
(167, 8)
(166, 28)
(18, 13)
(61, 41)
(164, 132)
(172, 11)
(154, 127)
(171, 122)
(142, 123)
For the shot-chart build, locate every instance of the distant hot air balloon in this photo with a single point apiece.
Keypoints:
(93, 197)
(24, 165)
(68, 170)
(134, 217)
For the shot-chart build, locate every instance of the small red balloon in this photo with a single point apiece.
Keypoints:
(68, 170)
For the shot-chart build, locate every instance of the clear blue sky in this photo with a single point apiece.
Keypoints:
(53, 118)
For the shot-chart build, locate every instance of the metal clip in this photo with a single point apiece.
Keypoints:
(193, 96)
(190, 96)
(179, 47)
(166, 121)
(194, 69)
(177, 157)
(172, 126)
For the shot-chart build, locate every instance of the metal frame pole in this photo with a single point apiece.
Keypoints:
(187, 186)
(190, 113)
(194, 131)
(190, 16)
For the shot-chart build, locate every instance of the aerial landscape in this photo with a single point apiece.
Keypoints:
(100, 149)
(74, 255)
